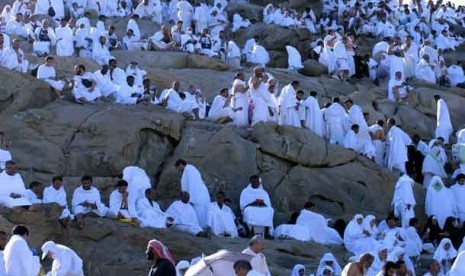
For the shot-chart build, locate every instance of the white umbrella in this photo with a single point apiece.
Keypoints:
(218, 264)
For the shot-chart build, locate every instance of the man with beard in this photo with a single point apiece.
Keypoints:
(163, 261)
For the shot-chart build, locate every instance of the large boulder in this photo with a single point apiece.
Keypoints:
(272, 37)
(204, 62)
(251, 11)
(313, 68)
(22, 91)
(145, 59)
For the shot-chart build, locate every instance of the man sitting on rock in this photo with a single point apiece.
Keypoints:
(174, 101)
(185, 218)
(35, 193)
(150, 213)
(120, 207)
(84, 85)
(56, 194)
(87, 200)
(47, 73)
(256, 207)
(221, 218)
(220, 111)
(12, 188)
(104, 82)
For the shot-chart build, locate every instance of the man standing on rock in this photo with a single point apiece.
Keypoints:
(255, 249)
(398, 141)
(443, 124)
(191, 182)
(360, 267)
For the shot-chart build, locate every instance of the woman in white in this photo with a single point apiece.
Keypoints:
(356, 239)
(369, 224)
(398, 254)
(434, 162)
(439, 201)
(328, 259)
(444, 254)
(294, 59)
(7, 14)
(268, 13)
(458, 269)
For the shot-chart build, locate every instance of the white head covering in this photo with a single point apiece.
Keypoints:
(180, 266)
(442, 254)
(328, 257)
(49, 246)
(296, 269)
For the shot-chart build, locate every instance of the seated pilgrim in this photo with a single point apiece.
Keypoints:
(35, 193)
(176, 103)
(12, 188)
(100, 51)
(56, 194)
(256, 207)
(355, 142)
(104, 82)
(397, 88)
(185, 217)
(317, 227)
(86, 200)
(239, 21)
(220, 111)
(162, 40)
(150, 213)
(221, 218)
(130, 93)
(358, 240)
(423, 70)
(328, 261)
(120, 207)
(84, 84)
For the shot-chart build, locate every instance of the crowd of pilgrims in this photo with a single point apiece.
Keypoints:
(412, 40)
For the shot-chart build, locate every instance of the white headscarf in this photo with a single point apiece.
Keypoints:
(366, 224)
(180, 266)
(442, 254)
(328, 257)
(296, 269)
(439, 201)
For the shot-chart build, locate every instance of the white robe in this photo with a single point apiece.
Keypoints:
(433, 164)
(192, 182)
(92, 196)
(218, 109)
(80, 91)
(441, 254)
(45, 73)
(12, 184)
(176, 104)
(335, 116)
(100, 53)
(440, 201)
(340, 54)
(380, 146)
(313, 116)
(258, 262)
(355, 241)
(259, 55)
(65, 262)
(328, 257)
(289, 107)
(403, 196)
(221, 220)
(318, 229)
(398, 141)
(456, 75)
(458, 268)
(107, 87)
(240, 100)
(402, 90)
(254, 215)
(424, 72)
(294, 59)
(459, 195)
(18, 257)
(413, 242)
(443, 124)
(185, 217)
(52, 195)
(150, 214)
(116, 201)
(64, 41)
